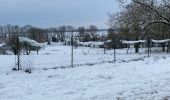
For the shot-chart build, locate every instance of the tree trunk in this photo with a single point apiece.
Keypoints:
(136, 47)
(163, 47)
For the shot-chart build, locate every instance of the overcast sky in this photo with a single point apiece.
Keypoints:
(47, 13)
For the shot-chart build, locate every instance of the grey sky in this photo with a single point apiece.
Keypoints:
(46, 13)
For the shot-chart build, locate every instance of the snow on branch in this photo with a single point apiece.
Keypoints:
(153, 9)
(155, 21)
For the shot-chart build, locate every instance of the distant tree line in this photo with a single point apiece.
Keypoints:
(42, 34)
(9, 34)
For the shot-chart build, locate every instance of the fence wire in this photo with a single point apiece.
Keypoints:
(20, 52)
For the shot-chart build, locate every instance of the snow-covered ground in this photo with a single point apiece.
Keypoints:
(58, 55)
(95, 76)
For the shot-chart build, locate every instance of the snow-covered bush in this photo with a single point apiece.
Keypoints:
(17, 44)
(29, 44)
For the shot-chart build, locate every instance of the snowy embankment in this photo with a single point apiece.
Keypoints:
(144, 79)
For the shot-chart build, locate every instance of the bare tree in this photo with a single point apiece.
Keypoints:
(38, 35)
(82, 31)
(93, 30)
(143, 18)
(61, 33)
(160, 9)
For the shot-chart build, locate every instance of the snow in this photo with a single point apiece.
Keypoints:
(31, 42)
(108, 41)
(161, 41)
(91, 44)
(142, 41)
(133, 42)
(2, 44)
(131, 77)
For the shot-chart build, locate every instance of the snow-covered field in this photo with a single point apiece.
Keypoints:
(95, 76)
(58, 55)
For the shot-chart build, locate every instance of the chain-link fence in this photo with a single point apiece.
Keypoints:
(28, 51)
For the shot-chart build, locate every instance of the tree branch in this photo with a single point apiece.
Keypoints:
(154, 22)
(154, 10)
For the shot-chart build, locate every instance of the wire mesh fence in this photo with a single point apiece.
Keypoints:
(22, 52)
(7, 63)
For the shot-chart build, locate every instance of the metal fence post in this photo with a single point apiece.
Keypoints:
(167, 47)
(148, 40)
(18, 53)
(114, 43)
(72, 56)
(104, 47)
